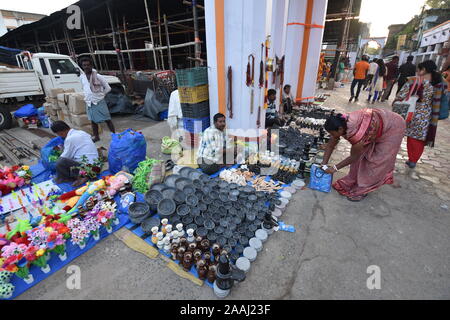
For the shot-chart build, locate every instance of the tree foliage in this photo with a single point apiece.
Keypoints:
(438, 4)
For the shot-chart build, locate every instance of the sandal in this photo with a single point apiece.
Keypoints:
(356, 199)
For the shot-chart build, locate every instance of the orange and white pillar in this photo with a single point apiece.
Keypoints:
(237, 28)
(306, 20)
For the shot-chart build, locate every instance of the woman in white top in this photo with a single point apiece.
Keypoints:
(377, 84)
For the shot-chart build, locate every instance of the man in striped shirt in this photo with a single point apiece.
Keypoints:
(214, 145)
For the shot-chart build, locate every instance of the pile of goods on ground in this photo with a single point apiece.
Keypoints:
(69, 106)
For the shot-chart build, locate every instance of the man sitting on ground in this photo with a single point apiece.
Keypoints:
(214, 146)
(272, 116)
(77, 144)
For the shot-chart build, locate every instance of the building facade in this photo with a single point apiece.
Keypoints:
(10, 20)
(434, 44)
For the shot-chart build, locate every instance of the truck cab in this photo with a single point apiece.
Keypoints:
(57, 71)
(37, 74)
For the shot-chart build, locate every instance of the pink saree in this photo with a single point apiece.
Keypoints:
(382, 133)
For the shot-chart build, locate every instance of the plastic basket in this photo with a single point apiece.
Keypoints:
(193, 95)
(192, 77)
(195, 111)
(196, 125)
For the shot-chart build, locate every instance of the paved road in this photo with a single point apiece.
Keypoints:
(404, 231)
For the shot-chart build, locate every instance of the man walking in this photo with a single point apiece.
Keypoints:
(391, 77)
(406, 70)
(360, 75)
(371, 73)
(95, 88)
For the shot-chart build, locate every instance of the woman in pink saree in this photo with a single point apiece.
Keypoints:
(376, 136)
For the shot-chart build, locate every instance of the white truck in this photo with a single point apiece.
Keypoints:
(37, 74)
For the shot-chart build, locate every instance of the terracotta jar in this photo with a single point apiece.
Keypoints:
(183, 242)
(197, 255)
(211, 275)
(180, 254)
(202, 269)
(174, 250)
(205, 245)
(207, 256)
(198, 240)
(215, 249)
(192, 246)
(187, 261)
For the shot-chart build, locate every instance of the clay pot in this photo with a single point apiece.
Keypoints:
(174, 250)
(205, 245)
(211, 275)
(183, 243)
(216, 249)
(197, 255)
(202, 269)
(191, 247)
(187, 261)
(180, 253)
(207, 256)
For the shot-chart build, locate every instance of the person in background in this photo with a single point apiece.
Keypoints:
(341, 70)
(77, 144)
(421, 130)
(95, 88)
(272, 116)
(376, 136)
(377, 83)
(214, 147)
(360, 75)
(175, 113)
(391, 77)
(406, 70)
(287, 100)
(371, 74)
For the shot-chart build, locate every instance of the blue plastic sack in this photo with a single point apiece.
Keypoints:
(45, 123)
(126, 151)
(443, 112)
(26, 111)
(320, 180)
(46, 152)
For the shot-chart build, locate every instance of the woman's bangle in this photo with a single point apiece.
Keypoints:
(335, 168)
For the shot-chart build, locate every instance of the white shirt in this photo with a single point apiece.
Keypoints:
(77, 144)
(373, 68)
(89, 96)
(175, 112)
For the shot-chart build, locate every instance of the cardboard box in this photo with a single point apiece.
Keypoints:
(77, 105)
(80, 120)
(54, 92)
(69, 90)
(60, 115)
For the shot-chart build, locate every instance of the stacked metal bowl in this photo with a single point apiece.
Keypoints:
(223, 213)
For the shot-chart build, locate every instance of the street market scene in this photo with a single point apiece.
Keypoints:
(225, 149)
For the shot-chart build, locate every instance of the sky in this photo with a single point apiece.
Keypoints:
(382, 13)
(36, 6)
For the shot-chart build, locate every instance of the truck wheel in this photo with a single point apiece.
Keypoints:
(5, 119)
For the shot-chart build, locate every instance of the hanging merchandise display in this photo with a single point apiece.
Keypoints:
(269, 67)
(230, 91)
(261, 85)
(251, 80)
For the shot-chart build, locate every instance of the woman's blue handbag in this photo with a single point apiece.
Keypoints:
(320, 180)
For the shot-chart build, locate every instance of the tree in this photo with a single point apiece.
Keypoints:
(438, 4)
